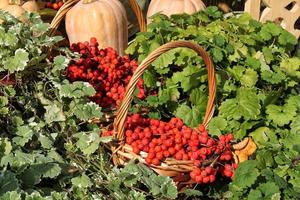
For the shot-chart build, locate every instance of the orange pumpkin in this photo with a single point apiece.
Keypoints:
(103, 19)
(170, 7)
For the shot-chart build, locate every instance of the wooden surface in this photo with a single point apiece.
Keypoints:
(284, 12)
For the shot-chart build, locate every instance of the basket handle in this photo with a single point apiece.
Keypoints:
(60, 15)
(122, 112)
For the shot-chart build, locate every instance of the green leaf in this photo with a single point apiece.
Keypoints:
(18, 62)
(291, 66)
(254, 195)
(76, 89)
(8, 182)
(88, 143)
(46, 142)
(269, 189)
(249, 78)
(253, 62)
(149, 79)
(190, 116)
(280, 115)
(192, 192)
(261, 136)
(198, 97)
(287, 38)
(246, 174)
(60, 63)
(82, 181)
(24, 133)
(246, 105)
(54, 113)
(13, 195)
(217, 54)
(51, 170)
(88, 111)
(216, 125)
(161, 64)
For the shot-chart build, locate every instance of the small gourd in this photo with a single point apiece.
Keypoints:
(103, 19)
(15, 7)
(170, 7)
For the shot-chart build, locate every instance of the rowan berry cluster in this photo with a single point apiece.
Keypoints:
(162, 140)
(107, 72)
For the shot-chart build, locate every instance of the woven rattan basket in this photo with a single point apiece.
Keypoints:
(122, 152)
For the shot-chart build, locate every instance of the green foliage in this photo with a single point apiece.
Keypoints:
(257, 93)
(48, 149)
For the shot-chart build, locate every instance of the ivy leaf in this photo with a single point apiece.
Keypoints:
(280, 115)
(190, 116)
(246, 174)
(88, 111)
(82, 181)
(18, 62)
(245, 105)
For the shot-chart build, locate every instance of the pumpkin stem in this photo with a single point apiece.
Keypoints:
(15, 2)
(88, 1)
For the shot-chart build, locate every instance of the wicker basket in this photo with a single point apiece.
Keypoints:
(122, 152)
(60, 15)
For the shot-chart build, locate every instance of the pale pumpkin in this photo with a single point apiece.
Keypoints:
(170, 7)
(31, 6)
(15, 9)
(103, 19)
(4, 3)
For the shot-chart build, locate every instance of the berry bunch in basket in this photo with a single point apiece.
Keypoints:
(105, 70)
(163, 141)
